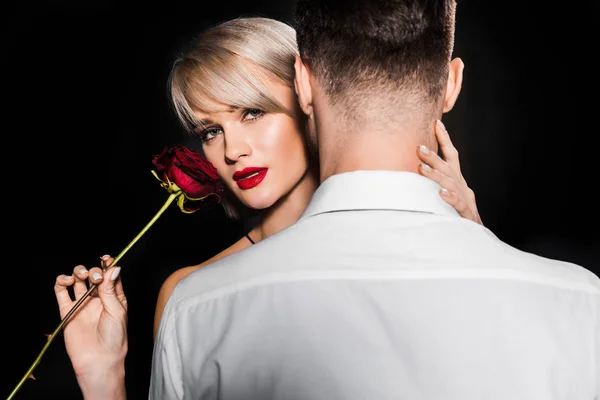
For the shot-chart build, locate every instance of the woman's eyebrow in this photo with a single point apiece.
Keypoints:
(202, 123)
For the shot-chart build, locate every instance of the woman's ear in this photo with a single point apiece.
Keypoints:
(303, 87)
(454, 84)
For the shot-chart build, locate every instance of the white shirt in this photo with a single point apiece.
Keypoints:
(381, 291)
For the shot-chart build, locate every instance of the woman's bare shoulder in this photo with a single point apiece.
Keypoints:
(172, 280)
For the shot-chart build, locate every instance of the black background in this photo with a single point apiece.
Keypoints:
(85, 107)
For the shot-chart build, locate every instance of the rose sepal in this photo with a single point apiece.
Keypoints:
(172, 187)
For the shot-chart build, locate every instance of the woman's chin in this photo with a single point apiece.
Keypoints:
(258, 202)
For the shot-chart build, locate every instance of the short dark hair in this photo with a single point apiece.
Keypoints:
(360, 47)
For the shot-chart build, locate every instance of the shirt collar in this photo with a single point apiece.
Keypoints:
(378, 190)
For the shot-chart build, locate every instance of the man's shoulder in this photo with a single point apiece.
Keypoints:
(547, 270)
(470, 247)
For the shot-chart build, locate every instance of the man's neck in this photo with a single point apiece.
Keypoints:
(369, 151)
(373, 138)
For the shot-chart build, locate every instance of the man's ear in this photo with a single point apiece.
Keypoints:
(455, 77)
(302, 86)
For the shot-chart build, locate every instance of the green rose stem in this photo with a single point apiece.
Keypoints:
(175, 193)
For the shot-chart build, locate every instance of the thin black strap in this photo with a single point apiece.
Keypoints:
(249, 238)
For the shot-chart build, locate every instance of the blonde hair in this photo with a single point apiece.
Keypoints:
(221, 67)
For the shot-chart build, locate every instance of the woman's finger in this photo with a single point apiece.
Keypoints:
(113, 287)
(434, 161)
(80, 273)
(119, 292)
(448, 150)
(96, 277)
(63, 298)
(456, 201)
(107, 261)
(108, 294)
(435, 175)
(461, 205)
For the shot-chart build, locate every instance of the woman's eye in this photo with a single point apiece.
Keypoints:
(253, 113)
(209, 134)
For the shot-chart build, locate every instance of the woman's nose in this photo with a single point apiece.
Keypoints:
(236, 145)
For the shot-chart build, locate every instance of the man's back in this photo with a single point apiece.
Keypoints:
(381, 291)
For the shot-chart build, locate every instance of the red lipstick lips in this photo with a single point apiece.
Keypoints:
(250, 177)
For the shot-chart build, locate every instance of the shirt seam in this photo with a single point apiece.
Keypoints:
(465, 274)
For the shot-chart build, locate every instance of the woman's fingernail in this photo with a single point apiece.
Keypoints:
(426, 167)
(69, 277)
(105, 257)
(82, 271)
(441, 124)
(115, 273)
(424, 149)
(97, 275)
(445, 192)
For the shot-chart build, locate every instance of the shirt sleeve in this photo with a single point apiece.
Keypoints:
(598, 349)
(166, 380)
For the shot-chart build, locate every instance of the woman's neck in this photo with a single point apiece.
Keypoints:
(287, 210)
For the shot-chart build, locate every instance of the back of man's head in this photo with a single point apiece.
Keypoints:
(378, 57)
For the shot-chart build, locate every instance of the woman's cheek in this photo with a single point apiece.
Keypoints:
(223, 178)
(210, 157)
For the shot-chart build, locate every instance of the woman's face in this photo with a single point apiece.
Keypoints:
(260, 156)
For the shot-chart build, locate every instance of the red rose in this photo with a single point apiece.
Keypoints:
(193, 174)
